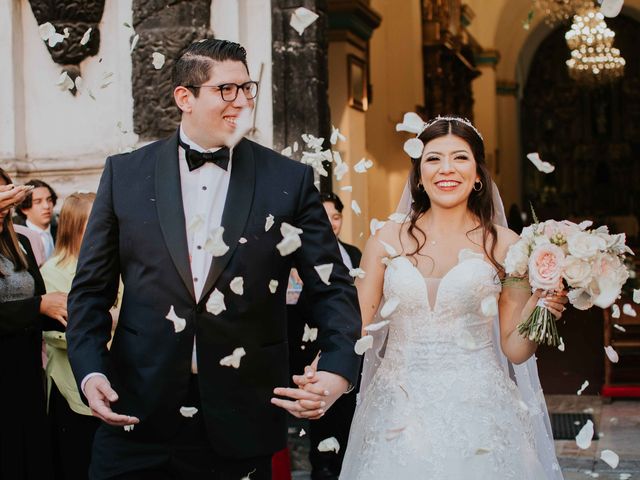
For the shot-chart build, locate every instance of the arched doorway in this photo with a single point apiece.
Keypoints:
(592, 136)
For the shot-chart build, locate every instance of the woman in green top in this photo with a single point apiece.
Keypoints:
(72, 424)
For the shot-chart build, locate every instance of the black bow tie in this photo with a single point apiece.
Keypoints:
(196, 159)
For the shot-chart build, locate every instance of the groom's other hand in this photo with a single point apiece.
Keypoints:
(328, 384)
(100, 395)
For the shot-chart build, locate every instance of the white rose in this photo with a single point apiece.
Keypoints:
(576, 272)
(517, 259)
(528, 233)
(580, 298)
(585, 245)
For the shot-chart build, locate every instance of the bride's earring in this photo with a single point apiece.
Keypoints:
(478, 186)
(420, 187)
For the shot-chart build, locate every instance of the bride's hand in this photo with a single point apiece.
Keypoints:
(554, 302)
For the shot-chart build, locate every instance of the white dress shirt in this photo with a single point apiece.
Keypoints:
(346, 259)
(45, 235)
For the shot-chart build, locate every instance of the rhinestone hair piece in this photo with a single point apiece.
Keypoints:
(449, 119)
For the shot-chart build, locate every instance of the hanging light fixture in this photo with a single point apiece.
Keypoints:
(593, 58)
(556, 11)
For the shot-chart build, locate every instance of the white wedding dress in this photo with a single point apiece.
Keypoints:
(440, 406)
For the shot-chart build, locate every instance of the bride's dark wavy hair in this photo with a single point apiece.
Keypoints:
(479, 203)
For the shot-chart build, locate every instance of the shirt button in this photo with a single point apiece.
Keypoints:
(204, 187)
(199, 247)
(195, 279)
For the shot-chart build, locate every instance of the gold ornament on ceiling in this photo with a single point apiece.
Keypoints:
(593, 59)
(557, 11)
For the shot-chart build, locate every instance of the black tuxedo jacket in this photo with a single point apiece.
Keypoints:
(137, 230)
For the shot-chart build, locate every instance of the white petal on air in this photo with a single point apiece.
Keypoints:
(55, 39)
(615, 311)
(178, 322)
(389, 249)
(66, 32)
(287, 229)
(128, 428)
(413, 147)
(363, 165)
(584, 437)
(215, 244)
(195, 224)
(389, 307)
(628, 309)
(157, 60)
(625, 476)
(610, 457)
(324, 272)
(273, 285)
(489, 306)
(584, 385)
(561, 346)
(233, 360)
(636, 295)
(291, 240)
(64, 82)
(364, 344)
(375, 225)
(188, 412)
(301, 18)
(287, 152)
(295, 147)
(78, 83)
(237, 285)
(302, 433)
(336, 135)
(310, 334)
(341, 170)
(243, 126)
(585, 224)
(544, 167)
(215, 304)
(86, 37)
(329, 445)
(611, 8)
(355, 207)
(357, 272)
(612, 355)
(46, 30)
(398, 217)
(619, 327)
(347, 188)
(134, 42)
(411, 122)
(609, 292)
(313, 142)
(242, 240)
(374, 327)
(268, 223)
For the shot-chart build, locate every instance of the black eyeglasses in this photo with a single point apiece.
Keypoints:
(229, 91)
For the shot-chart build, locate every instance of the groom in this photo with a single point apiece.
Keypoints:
(201, 342)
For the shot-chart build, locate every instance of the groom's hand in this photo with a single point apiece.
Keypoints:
(100, 395)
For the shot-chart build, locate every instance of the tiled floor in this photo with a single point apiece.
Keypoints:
(617, 425)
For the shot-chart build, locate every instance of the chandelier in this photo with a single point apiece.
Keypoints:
(556, 11)
(593, 58)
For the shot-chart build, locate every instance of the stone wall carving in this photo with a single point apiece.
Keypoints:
(166, 27)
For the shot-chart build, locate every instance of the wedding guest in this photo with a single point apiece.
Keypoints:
(24, 307)
(36, 212)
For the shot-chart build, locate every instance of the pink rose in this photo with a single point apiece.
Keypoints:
(545, 267)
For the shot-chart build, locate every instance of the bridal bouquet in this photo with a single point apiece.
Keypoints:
(559, 255)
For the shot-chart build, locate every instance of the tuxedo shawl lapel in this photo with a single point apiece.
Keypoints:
(170, 209)
(236, 208)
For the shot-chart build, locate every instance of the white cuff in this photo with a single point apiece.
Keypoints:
(93, 374)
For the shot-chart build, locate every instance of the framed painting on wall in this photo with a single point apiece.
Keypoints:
(357, 81)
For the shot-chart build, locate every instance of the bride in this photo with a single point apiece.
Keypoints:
(438, 399)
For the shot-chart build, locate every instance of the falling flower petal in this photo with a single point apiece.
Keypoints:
(312, 142)
(78, 83)
(242, 240)
(134, 42)
(291, 240)
(56, 38)
(233, 360)
(215, 304)
(46, 30)
(625, 476)
(324, 272)
(287, 152)
(611, 8)
(561, 345)
(583, 387)
(178, 323)
(363, 165)
(310, 334)
(411, 122)
(374, 327)
(242, 127)
(389, 249)
(544, 167)
(355, 207)
(357, 272)
(413, 147)
(347, 188)
(341, 170)
(86, 37)
(375, 225)
(619, 327)
(615, 311)
(301, 18)
(273, 285)
(609, 292)
(636, 295)
(611, 354)
(628, 309)
(302, 433)
(237, 285)
(157, 60)
(295, 147)
(398, 217)
(269, 223)
(215, 244)
(489, 306)
(128, 428)
(389, 307)
(336, 135)
(64, 82)
(583, 439)
(328, 445)
(188, 412)
(610, 458)
(364, 344)
(195, 224)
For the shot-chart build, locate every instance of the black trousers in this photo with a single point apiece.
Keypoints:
(188, 456)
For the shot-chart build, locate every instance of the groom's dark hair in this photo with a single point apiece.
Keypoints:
(193, 65)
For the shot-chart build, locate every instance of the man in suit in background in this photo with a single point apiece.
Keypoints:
(337, 421)
(201, 342)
